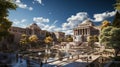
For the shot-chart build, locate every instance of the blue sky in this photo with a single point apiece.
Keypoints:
(61, 15)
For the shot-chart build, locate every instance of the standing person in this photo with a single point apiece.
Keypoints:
(41, 64)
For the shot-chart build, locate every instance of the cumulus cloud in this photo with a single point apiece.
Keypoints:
(23, 20)
(42, 23)
(47, 27)
(22, 5)
(73, 21)
(38, 1)
(57, 29)
(102, 16)
(30, 8)
(40, 19)
(66, 27)
(19, 23)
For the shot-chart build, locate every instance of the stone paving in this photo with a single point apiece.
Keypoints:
(75, 62)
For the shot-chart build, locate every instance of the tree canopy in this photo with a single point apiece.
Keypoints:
(5, 24)
(110, 37)
(33, 38)
(48, 39)
(24, 39)
(117, 5)
(105, 23)
(116, 21)
(69, 39)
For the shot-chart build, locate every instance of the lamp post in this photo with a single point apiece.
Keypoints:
(87, 58)
(39, 53)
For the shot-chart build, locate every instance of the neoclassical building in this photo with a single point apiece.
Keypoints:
(85, 29)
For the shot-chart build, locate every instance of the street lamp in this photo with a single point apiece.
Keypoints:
(87, 58)
(39, 53)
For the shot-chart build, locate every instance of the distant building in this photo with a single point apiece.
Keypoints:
(60, 35)
(67, 36)
(33, 29)
(84, 30)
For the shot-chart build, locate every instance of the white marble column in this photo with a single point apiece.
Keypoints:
(80, 32)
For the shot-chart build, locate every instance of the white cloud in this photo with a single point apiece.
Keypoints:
(40, 19)
(22, 5)
(49, 28)
(17, 1)
(23, 20)
(42, 23)
(19, 23)
(73, 21)
(30, 8)
(57, 29)
(103, 16)
(39, 1)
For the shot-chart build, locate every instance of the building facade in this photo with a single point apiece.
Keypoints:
(33, 29)
(84, 30)
(60, 35)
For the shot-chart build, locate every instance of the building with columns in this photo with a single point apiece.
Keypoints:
(83, 30)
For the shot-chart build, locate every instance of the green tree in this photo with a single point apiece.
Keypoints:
(105, 23)
(96, 39)
(90, 41)
(117, 5)
(110, 37)
(24, 41)
(33, 39)
(69, 39)
(5, 23)
(60, 40)
(48, 40)
(116, 21)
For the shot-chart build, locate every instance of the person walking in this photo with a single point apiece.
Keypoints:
(41, 64)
